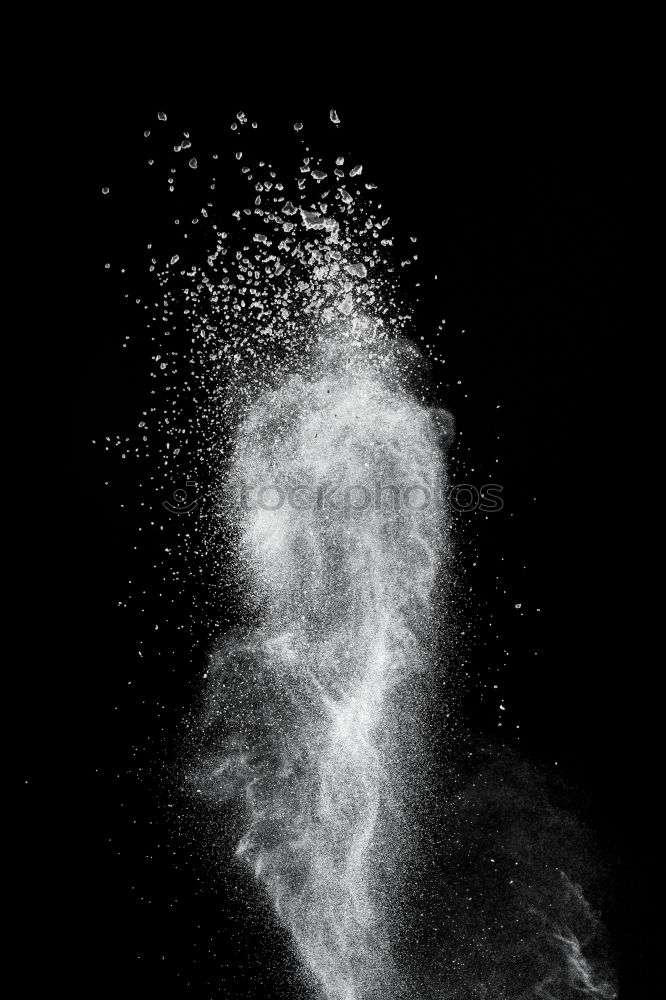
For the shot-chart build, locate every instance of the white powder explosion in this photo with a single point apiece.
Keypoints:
(287, 385)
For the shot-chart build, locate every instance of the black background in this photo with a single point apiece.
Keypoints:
(521, 210)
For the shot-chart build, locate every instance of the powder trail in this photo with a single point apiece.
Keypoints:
(344, 586)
